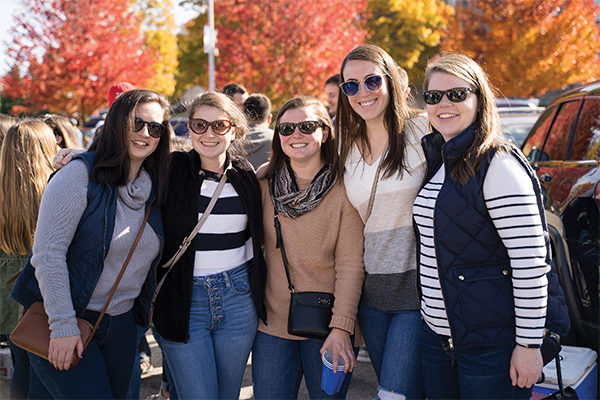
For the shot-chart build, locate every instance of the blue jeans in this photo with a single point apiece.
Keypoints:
(133, 392)
(104, 370)
(223, 322)
(278, 365)
(392, 339)
(473, 373)
(19, 386)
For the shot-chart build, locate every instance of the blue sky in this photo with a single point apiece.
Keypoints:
(10, 7)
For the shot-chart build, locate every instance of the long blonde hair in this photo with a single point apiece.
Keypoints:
(25, 165)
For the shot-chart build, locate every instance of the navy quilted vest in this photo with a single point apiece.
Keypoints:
(473, 264)
(90, 244)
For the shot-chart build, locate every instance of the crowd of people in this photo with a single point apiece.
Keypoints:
(426, 227)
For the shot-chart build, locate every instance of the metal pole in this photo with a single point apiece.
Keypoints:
(211, 53)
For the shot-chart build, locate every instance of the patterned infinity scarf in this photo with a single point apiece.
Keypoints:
(292, 202)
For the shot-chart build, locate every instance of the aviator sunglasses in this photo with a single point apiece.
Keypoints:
(219, 126)
(455, 95)
(155, 129)
(372, 83)
(306, 127)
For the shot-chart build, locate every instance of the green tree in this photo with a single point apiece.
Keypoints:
(409, 30)
(193, 63)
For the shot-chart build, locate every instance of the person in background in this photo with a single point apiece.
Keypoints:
(332, 90)
(67, 135)
(114, 91)
(207, 310)
(257, 143)
(6, 121)
(382, 165)
(237, 93)
(25, 165)
(90, 214)
(483, 252)
(322, 236)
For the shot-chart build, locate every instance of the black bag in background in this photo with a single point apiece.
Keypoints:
(310, 314)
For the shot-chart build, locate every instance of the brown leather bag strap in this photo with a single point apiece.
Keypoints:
(114, 289)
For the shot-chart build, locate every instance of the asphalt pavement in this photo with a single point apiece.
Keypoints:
(363, 385)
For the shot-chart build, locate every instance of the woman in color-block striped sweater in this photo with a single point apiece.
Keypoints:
(380, 153)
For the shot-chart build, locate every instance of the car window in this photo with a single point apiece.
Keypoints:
(557, 142)
(586, 141)
(535, 143)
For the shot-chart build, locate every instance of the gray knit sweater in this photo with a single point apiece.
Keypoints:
(62, 206)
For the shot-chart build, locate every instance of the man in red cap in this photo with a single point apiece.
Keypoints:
(117, 89)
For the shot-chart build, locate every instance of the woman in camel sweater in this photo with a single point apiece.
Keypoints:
(323, 239)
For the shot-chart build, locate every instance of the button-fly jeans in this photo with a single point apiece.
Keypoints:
(223, 322)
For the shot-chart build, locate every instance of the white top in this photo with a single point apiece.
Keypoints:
(224, 241)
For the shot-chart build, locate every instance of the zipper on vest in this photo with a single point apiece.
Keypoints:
(451, 348)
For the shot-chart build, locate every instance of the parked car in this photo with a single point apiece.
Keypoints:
(564, 148)
(517, 122)
(514, 102)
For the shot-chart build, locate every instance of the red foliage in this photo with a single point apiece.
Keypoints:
(283, 48)
(66, 54)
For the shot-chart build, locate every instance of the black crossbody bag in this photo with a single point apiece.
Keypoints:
(310, 312)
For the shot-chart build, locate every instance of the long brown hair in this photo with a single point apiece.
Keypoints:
(328, 150)
(112, 164)
(25, 165)
(488, 133)
(350, 126)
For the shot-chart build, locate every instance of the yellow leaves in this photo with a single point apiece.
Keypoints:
(160, 38)
(407, 29)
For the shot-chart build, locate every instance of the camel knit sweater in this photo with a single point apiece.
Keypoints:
(324, 250)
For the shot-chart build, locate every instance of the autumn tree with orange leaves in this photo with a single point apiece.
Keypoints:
(66, 54)
(529, 46)
(283, 48)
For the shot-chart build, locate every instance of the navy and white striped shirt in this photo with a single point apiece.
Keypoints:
(224, 240)
(512, 205)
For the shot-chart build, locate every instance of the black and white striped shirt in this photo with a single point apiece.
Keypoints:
(224, 240)
(511, 203)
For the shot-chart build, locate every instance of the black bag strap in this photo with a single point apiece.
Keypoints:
(279, 243)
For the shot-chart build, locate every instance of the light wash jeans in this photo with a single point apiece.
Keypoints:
(223, 322)
(392, 339)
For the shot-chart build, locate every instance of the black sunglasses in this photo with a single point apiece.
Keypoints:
(155, 129)
(306, 127)
(352, 86)
(219, 126)
(455, 95)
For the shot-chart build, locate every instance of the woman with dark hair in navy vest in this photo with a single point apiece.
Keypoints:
(483, 249)
(90, 214)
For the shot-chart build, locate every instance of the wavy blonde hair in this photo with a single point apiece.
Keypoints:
(25, 165)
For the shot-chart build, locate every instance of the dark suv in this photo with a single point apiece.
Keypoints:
(564, 148)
